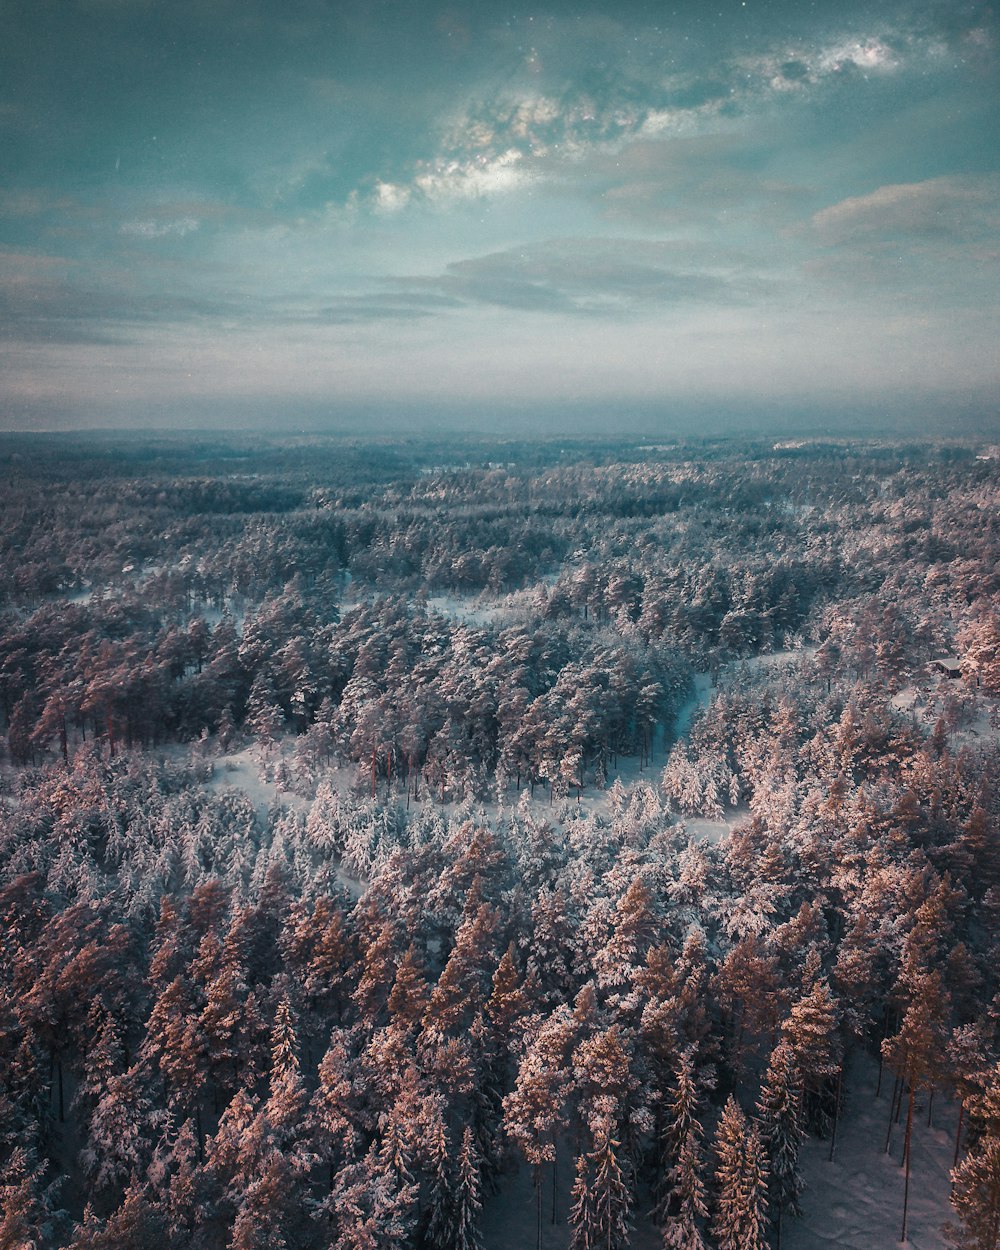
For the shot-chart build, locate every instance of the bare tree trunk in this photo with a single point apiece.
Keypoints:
(892, 1109)
(906, 1151)
(958, 1134)
(538, 1205)
(836, 1112)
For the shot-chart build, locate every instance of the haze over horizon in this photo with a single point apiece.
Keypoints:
(417, 215)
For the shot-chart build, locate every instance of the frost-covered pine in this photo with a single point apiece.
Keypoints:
(780, 1109)
(679, 1121)
(811, 1033)
(122, 1126)
(976, 1180)
(741, 1179)
(682, 1230)
(976, 1196)
(440, 1228)
(467, 1204)
(284, 1043)
(601, 1198)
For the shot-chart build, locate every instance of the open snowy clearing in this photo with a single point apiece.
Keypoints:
(856, 1202)
(853, 1203)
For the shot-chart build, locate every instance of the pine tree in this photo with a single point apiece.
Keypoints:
(26, 1212)
(687, 1206)
(741, 1179)
(780, 1109)
(679, 1122)
(335, 1111)
(811, 1034)
(440, 1228)
(976, 1180)
(467, 1202)
(535, 1109)
(410, 994)
(599, 1215)
(916, 1053)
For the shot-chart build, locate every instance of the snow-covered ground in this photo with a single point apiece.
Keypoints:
(853, 1203)
(977, 719)
(705, 830)
(241, 770)
(700, 698)
(856, 1202)
(471, 610)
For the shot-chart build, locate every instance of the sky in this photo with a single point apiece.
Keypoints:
(285, 213)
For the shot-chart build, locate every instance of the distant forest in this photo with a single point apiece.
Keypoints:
(608, 803)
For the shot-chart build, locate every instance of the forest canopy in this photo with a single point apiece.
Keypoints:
(384, 826)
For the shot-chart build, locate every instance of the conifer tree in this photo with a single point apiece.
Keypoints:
(599, 1215)
(811, 1034)
(976, 1180)
(780, 1109)
(467, 1203)
(679, 1121)
(688, 1209)
(440, 1227)
(741, 1183)
(535, 1109)
(916, 1053)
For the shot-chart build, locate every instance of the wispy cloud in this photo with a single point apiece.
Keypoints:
(955, 207)
(390, 306)
(592, 276)
(152, 228)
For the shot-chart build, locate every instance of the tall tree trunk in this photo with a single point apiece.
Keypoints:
(958, 1133)
(892, 1111)
(906, 1151)
(555, 1175)
(538, 1205)
(836, 1112)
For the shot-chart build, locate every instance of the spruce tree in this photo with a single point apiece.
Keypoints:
(811, 1033)
(467, 1203)
(976, 1180)
(688, 1208)
(601, 1197)
(780, 1108)
(440, 1219)
(741, 1179)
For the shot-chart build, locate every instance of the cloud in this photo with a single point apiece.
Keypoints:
(956, 208)
(578, 92)
(152, 228)
(591, 276)
(445, 181)
(55, 300)
(931, 245)
(392, 306)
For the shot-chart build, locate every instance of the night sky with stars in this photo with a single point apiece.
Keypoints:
(306, 213)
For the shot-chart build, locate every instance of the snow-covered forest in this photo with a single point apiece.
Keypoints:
(456, 846)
